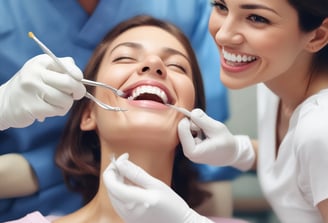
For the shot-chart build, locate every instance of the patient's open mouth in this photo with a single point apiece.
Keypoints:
(147, 92)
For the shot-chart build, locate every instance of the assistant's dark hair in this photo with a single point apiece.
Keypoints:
(311, 14)
(78, 153)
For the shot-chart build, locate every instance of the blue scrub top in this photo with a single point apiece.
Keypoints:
(68, 31)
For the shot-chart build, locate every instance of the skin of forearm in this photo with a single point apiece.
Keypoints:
(17, 177)
(255, 147)
(323, 208)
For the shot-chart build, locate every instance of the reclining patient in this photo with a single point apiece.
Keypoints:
(154, 64)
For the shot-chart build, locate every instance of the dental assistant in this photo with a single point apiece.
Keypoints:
(73, 28)
(282, 46)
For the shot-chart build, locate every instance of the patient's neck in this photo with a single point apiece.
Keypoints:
(157, 162)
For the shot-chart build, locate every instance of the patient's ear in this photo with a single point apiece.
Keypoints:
(88, 121)
(320, 37)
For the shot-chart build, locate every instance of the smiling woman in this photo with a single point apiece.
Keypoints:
(148, 72)
(282, 47)
(154, 64)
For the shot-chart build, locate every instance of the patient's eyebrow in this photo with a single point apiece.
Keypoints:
(167, 50)
(172, 51)
(128, 44)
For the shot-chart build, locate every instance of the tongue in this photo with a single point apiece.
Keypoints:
(150, 97)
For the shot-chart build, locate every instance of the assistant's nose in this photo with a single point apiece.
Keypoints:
(153, 65)
(225, 29)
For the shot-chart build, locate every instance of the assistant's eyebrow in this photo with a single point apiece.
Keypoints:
(223, 2)
(253, 6)
(256, 6)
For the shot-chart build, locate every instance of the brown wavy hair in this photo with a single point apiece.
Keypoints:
(78, 154)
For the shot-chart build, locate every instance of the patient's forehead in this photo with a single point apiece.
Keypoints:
(150, 38)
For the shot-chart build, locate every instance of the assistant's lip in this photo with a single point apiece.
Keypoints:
(128, 90)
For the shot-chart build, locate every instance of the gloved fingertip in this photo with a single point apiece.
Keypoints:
(68, 59)
(41, 119)
(79, 93)
(197, 112)
(200, 118)
(112, 165)
(115, 164)
(120, 162)
(183, 124)
(72, 68)
(124, 156)
(75, 72)
(125, 165)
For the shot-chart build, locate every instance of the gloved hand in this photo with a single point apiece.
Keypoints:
(217, 146)
(145, 199)
(39, 90)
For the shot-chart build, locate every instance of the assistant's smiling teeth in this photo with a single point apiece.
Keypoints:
(146, 89)
(237, 58)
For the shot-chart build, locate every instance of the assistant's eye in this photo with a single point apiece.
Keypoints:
(219, 6)
(258, 19)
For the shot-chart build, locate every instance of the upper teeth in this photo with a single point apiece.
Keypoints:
(149, 90)
(237, 57)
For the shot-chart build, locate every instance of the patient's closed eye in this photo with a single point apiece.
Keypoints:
(124, 59)
(178, 67)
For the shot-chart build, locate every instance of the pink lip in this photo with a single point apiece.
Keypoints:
(235, 69)
(147, 104)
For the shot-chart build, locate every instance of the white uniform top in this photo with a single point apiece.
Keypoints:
(296, 180)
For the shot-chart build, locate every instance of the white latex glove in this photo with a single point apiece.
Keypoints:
(145, 199)
(39, 90)
(217, 146)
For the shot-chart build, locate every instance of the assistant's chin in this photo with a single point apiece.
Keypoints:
(232, 83)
